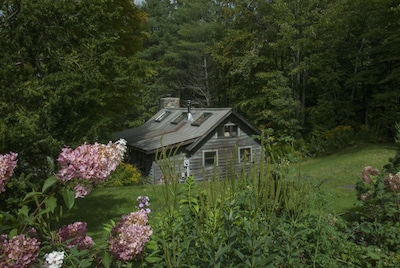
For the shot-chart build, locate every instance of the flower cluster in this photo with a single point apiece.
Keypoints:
(81, 191)
(20, 251)
(367, 172)
(393, 182)
(365, 196)
(129, 236)
(54, 259)
(90, 163)
(144, 203)
(8, 162)
(75, 235)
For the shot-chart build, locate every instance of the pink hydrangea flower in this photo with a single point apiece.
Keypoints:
(365, 196)
(20, 251)
(393, 182)
(129, 236)
(75, 235)
(367, 172)
(8, 162)
(81, 191)
(93, 162)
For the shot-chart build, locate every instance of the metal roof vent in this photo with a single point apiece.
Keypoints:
(189, 114)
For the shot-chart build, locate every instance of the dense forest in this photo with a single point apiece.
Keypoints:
(74, 71)
(294, 67)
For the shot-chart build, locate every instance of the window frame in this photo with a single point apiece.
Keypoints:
(162, 116)
(201, 119)
(179, 118)
(243, 148)
(215, 158)
(233, 131)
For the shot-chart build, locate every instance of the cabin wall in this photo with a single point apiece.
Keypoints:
(227, 150)
(173, 169)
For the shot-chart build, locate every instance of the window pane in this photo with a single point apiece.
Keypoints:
(209, 158)
(201, 119)
(245, 154)
(162, 116)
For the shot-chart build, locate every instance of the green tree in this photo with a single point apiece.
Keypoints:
(159, 53)
(68, 73)
(248, 57)
(351, 75)
(180, 32)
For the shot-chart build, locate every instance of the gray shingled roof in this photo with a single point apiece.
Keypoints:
(153, 134)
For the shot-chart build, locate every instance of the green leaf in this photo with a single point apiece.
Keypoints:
(239, 254)
(152, 245)
(12, 233)
(107, 260)
(49, 182)
(31, 194)
(51, 204)
(373, 255)
(69, 198)
(24, 210)
(153, 259)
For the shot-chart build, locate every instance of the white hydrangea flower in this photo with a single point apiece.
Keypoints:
(121, 145)
(54, 259)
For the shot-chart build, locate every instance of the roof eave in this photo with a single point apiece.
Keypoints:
(168, 147)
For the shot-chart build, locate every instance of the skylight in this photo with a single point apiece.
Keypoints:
(162, 116)
(201, 119)
(179, 118)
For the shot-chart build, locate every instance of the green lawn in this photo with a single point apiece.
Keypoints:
(338, 172)
(104, 204)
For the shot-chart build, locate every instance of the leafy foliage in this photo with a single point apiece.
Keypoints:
(125, 174)
(64, 64)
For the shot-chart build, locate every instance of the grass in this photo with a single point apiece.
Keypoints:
(340, 171)
(337, 172)
(105, 204)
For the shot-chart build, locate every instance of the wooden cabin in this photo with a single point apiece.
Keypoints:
(199, 142)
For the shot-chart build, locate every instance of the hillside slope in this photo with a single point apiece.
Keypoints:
(339, 172)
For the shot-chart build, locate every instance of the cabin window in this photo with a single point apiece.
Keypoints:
(179, 118)
(162, 116)
(209, 157)
(228, 130)
(245, 154)
(201, 119)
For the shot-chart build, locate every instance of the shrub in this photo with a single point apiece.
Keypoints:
(378, 222)
(28, 237)
(325, 141)
(125, 174)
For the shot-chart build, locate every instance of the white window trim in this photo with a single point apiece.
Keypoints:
(209, 151)
(251, 153)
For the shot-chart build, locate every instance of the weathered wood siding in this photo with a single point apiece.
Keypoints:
(173, 166)
(228, 154)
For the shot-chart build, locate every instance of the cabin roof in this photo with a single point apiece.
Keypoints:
(163, 129)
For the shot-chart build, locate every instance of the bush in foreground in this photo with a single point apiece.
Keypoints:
(28, 237)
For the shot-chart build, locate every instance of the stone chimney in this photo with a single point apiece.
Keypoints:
(169, 102)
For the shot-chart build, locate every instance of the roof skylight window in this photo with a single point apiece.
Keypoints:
(201, 119)
(179, 118)
(162, 116)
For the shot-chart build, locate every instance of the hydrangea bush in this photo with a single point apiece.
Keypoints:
(29, 239)
(8, 162)
(129, 235)
(377, 221)
(19, 251)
